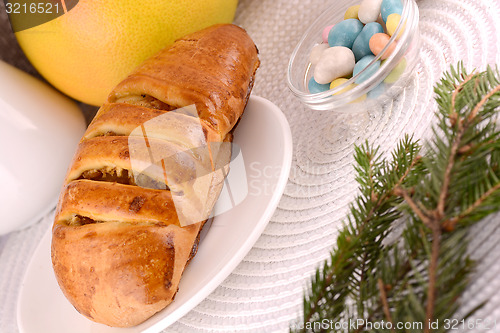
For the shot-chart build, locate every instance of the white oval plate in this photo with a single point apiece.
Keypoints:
(265, 140)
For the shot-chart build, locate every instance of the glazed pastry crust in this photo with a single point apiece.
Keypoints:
(127, 222)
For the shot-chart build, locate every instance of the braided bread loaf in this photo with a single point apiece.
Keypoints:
(146, 175)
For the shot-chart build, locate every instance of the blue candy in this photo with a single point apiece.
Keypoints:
(314, 87)
(345, 33)
(390, 7)
(361, 46)
(361, 64)
(377, 91)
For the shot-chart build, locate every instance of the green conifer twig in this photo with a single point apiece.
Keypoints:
(420, 276)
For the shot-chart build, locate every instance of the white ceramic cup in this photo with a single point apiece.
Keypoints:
(39, 131)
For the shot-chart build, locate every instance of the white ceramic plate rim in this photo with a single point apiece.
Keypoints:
(235, 259)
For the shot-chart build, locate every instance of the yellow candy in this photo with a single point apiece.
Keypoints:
(351, 12)
(392, 23)
(396, 72)
(337, 82)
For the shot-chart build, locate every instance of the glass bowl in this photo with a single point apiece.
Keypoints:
(384, 84)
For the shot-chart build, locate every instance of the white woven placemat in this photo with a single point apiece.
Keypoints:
(265, 291)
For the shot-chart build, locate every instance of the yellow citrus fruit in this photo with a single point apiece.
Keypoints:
(87, 51)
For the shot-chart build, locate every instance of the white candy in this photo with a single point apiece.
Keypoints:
(316, 53)
(369, 10)
(335, 62)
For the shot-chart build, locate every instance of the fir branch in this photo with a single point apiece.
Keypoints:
(455, 93)
(420, 211)
(385, 303)
(485, 99)
(420, 276)
(433, 271)
(479, 202)
(367, 224)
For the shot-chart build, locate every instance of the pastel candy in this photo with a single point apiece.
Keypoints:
(337, 82)
(351, 12)
(325, 33)
(377, 91)
(378, 42)
(392, 24)
(361, 46)
(362, 64)
(396, 72)
(345, 33)
(314, 87)
(316, 53)
(335, 62)
(369, 10)
(390, 7)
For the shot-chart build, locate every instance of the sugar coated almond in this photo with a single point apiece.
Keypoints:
(361, 46)
(368, 68)
(335, 62)
(392, 24)
(390, 7)
(345, 33)
(316, 53)
(325, 33)
(314, 87)
(378, 42)
(369, 10)
(351, 12)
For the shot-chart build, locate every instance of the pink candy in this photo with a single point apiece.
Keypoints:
(326, 31)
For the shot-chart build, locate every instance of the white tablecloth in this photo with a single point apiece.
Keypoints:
(265, 291)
